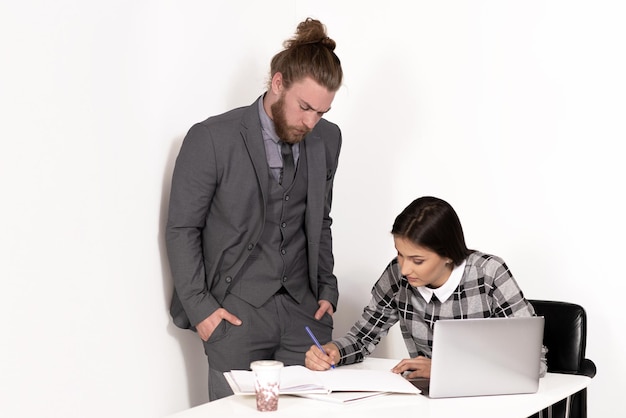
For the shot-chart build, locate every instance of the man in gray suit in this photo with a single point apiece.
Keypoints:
(249, 228)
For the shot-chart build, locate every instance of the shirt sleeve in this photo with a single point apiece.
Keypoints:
(508, 298)
(378, 316)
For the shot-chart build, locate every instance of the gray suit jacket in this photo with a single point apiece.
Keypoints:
(217, 209)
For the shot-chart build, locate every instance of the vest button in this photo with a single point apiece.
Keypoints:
(283, 224)
(228, 279)
(286, 197)
(250, 247)
(282, 251)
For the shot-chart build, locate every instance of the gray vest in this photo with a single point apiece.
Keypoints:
(279, 259)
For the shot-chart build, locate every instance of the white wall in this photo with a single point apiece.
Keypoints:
(512, 111)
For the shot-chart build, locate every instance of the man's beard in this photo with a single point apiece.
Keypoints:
(289, 134)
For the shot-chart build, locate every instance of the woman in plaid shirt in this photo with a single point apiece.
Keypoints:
(435, 276)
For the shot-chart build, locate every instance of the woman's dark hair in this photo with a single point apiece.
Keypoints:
(432, 223)
(310, 53)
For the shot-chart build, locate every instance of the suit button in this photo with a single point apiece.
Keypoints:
(284, 279)
(228, 279)
(286, 197)
(250, 247)
(282, 251)
(283, 224)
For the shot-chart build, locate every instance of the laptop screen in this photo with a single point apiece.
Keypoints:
(485, 356)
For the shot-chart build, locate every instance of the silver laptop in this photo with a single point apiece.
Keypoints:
(487, 356)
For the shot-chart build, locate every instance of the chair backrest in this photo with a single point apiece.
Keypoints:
(565, 334)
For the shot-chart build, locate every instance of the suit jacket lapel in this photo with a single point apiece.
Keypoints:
(253, 138)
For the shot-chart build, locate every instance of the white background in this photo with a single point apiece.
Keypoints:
(513, 111)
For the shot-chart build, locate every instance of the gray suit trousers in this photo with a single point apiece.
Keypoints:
(273, 331)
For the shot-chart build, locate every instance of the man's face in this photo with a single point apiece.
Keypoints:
(299, 109)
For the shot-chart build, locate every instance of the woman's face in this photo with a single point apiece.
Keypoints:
(421, 266)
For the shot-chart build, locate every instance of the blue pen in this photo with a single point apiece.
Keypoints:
(317, 343)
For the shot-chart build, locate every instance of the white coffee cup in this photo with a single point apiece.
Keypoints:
(266, 383)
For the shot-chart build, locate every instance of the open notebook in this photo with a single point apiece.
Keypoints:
(298, 380)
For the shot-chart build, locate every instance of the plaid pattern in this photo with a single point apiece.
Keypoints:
(487, 289)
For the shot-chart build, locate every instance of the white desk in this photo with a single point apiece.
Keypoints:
(552, 388)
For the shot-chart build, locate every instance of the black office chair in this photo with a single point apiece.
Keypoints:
(565, 336)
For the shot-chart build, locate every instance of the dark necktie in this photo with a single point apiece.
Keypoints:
(289, 169)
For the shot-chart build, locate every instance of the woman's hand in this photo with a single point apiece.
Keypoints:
(314, 359)
(418, 367)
